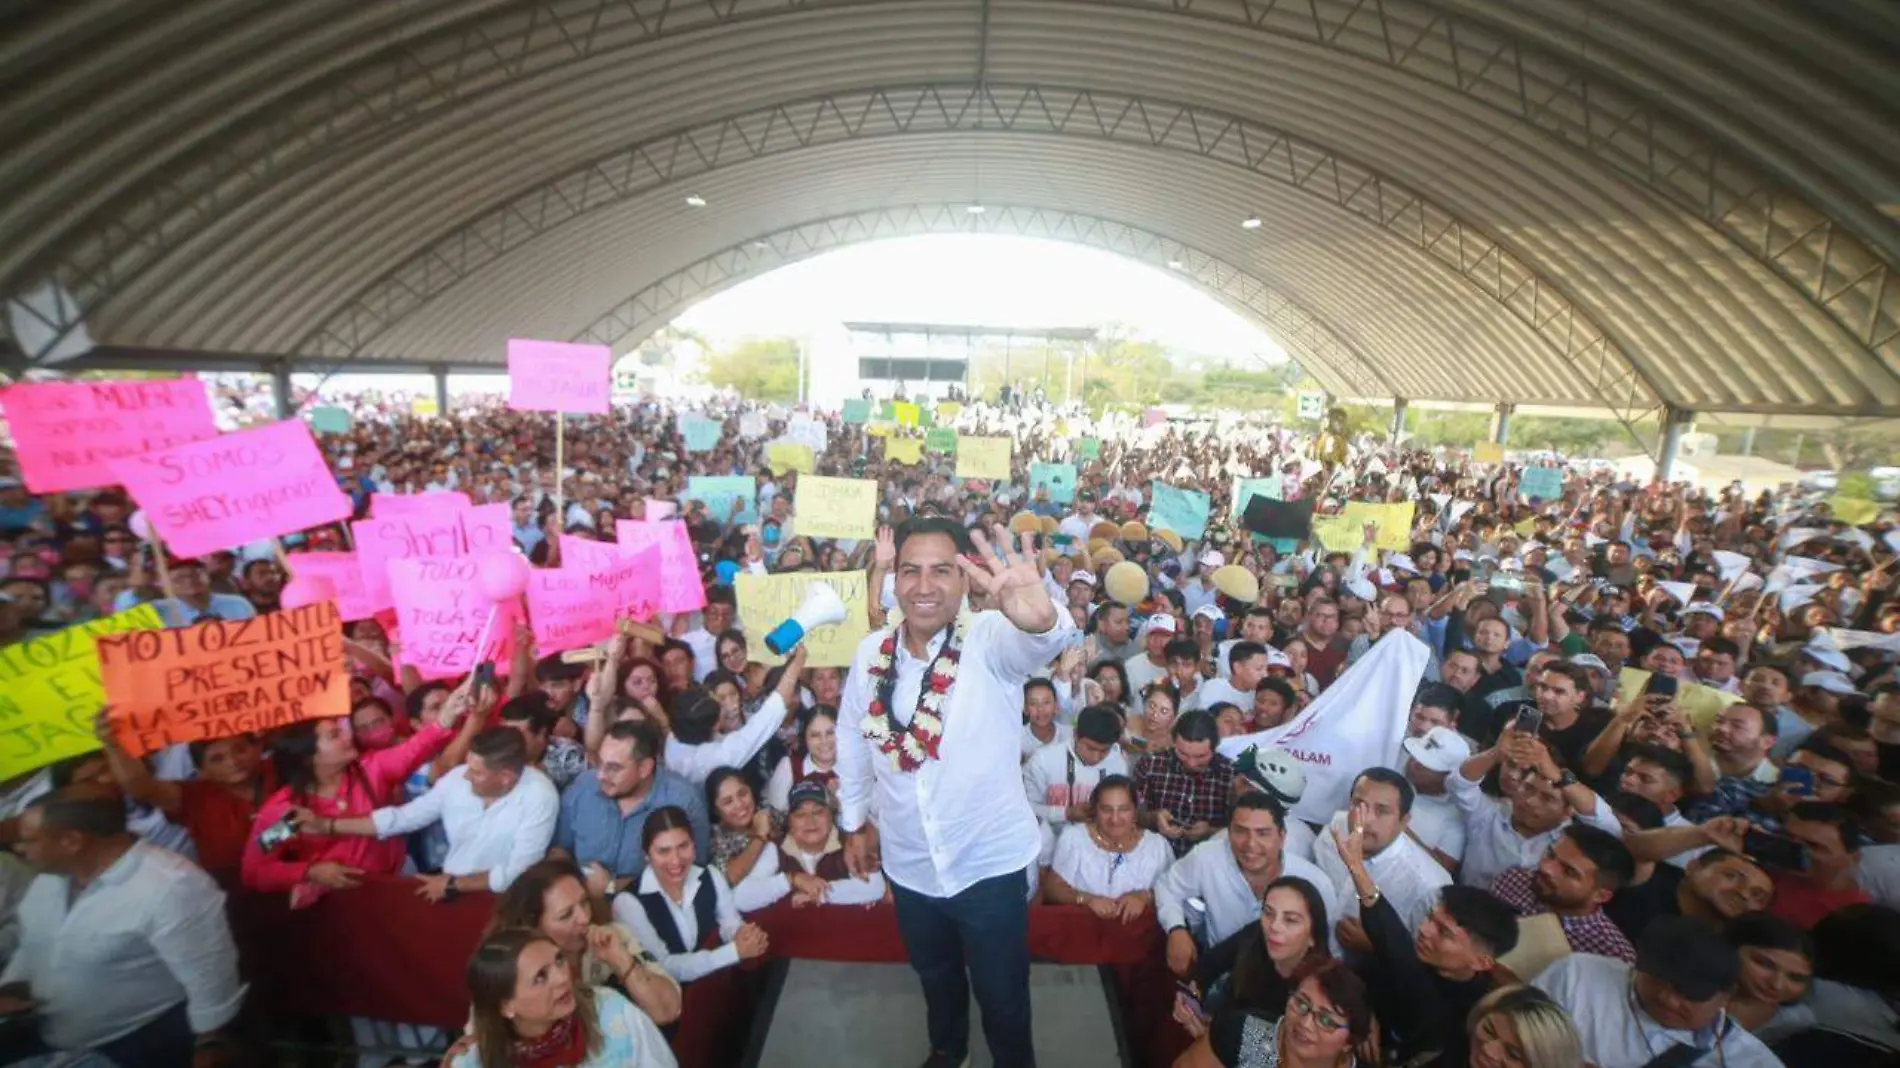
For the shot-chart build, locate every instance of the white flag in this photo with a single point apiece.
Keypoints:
(1357, 724)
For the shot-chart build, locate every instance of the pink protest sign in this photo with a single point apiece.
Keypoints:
(208, 495)
(681, 589)
(439, 534)
(384, 505)
(441, 616)
(67, 433)
(342, 572)
(553, 376)
(658, 509)
(629, 580)
(568, 610)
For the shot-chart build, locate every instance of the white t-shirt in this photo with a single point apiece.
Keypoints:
(1439, 824)
(1030, 743)
(1141, 671)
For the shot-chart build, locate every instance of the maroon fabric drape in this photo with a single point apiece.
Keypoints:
(381, 951)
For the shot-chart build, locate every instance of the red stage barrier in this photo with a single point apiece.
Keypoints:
(380, 951)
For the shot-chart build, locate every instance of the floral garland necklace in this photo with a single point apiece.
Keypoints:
(910, 747)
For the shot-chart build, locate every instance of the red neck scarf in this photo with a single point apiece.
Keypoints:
(564, 1046)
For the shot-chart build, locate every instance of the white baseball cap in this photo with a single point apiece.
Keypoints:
(1362, 589)
(1441, 749)
(1087, 577)
(1827, 656)
(1211, 559)
(1831, 681)
(1162, 623)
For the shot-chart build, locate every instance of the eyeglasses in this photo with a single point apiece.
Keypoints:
(1303, 1005)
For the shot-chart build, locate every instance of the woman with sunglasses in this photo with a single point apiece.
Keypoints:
(1327, 1023)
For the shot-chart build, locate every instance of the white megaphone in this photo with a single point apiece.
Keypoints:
(822, 608)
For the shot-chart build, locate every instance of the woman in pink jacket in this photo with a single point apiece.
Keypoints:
(322, 771)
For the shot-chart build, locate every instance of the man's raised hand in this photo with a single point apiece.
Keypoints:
(1011, 580)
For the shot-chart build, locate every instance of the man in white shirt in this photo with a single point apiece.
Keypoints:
(938, 694)
(1077, 526)
(124, 947)
(498, 811)
(1152, 664)
(1381, 808)
(722, 608)
(1217, 888)
(1675, 996)
(1247, 665)
(1542, 798)
(1058, 779)
(1437, 822)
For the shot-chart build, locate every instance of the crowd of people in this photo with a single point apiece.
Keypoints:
(1644, 812)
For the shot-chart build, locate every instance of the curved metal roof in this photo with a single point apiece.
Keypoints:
(1608, 203)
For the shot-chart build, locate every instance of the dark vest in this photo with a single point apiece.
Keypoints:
(705, 913)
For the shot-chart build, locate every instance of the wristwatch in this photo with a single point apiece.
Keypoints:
(1566, 780)
(452, 892)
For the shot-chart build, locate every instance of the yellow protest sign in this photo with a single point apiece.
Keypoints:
(836, 507)
(785, 456)
(765, 601)
(50, 692)
(1337, 534)
(878, 430)
(905, 414)
(1700, 703)
(983, 457)
(1852, 510)
(947, 411)
(1526, 528)
(904, 450)
(424, 407)
(1395, 524)
(1488, 452)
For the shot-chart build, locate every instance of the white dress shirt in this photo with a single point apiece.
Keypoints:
(961, 818)
(1055, 778)
(148, 933)
(1210, 873)
(1597, 993)
(692, 964)
(1090, 869)
(695, 763)
(1030, 743)
(501, 837)
(1440, 824)
(767, 883)
(1879, 874)
(1492, 844)
(1403, 872)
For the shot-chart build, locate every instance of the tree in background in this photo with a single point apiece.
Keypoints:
(763, 369)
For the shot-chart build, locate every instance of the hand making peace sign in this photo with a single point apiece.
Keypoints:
(1011, 580)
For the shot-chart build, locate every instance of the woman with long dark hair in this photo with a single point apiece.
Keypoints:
(553, 898)
(814, 756)
(325, 779)
(683, 913)
(1255, 968)
(530, 1013)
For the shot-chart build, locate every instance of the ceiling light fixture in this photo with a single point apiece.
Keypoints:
(694, 200)
(1251, 222)
(975, 209)
(1174, 265)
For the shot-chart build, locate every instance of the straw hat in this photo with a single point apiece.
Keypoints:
(1237, 582)
(1107, 555)
(1126, 583)
(1049, 524)
(1170, 539)
(1133, 531)
(1025, 523)
(1107, 530)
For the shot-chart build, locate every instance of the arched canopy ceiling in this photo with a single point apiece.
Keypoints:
(1608, 203)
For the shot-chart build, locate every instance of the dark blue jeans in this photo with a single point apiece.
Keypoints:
(989, 925)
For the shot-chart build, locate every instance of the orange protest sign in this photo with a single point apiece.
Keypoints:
(224, 677)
